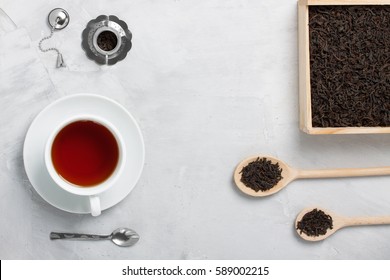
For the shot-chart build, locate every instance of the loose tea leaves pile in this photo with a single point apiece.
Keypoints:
(261, 175)
(350, 65)
(315, 223)
(107, 41)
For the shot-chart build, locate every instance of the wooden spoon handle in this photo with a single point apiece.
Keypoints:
(361, 221)
(343, 172)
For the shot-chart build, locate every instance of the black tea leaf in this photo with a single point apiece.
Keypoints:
(350, 65)
(261, 175)
(315, 223)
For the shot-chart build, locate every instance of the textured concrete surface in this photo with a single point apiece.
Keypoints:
(210, 83)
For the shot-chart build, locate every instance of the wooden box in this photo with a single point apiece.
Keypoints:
(305, 114)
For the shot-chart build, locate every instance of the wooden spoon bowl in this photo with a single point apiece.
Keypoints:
(288, 174)
(338, 222)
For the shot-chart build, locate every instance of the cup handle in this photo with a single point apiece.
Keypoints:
(95, 205)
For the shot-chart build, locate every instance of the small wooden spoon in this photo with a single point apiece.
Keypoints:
(340, 222)
(290, 174)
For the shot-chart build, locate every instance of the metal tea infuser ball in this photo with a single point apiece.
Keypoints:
(58, 19)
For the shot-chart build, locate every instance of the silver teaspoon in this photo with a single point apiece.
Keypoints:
(123, 237)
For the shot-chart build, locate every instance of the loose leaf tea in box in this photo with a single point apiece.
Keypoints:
(350, 65)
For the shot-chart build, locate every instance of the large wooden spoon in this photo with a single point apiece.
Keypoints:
(339, 222)
(290, 174)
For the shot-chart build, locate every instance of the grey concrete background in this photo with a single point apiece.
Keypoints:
(210, 83)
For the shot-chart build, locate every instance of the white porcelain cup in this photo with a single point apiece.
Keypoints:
(92, 192)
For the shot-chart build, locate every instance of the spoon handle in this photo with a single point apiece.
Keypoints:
(363, 221)
(343, 172)
(78, 236)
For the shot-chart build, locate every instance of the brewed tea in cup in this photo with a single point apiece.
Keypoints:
(85, 155)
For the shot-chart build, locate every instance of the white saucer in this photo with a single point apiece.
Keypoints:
(53, 115)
